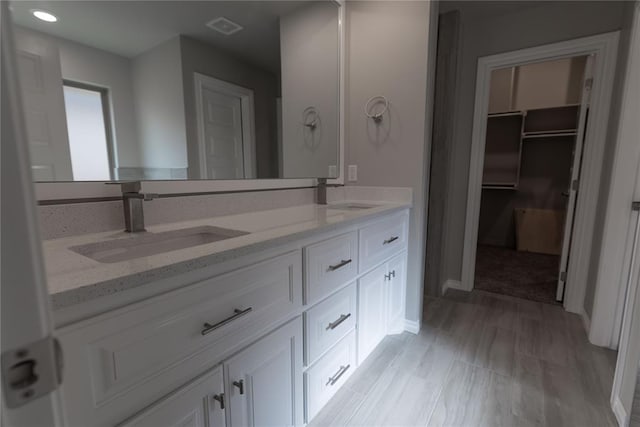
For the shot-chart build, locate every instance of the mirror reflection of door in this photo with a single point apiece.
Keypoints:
(40, 77)
(225, 134)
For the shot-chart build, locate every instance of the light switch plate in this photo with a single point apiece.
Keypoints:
(352, 173)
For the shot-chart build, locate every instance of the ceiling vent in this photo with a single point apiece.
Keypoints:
(224, 26)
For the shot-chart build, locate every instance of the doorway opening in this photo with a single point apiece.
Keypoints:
(536, 121)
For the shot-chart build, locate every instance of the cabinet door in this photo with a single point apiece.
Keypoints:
(397, 290)
(372, 311)
(197, 404)
(264, 381)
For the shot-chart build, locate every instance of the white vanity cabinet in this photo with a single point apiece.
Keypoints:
(396, 293)
(198, 404)
(381, 302)
(267, 343)
(264, 381)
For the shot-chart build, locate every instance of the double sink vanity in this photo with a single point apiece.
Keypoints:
(212, 316)
(249, 319)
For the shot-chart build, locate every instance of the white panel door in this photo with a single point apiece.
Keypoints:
(572, 191)
(264, 382)
(198, 404)
(372, 311)
(222, 155)
(27, 347)
(396, 297)
(41, 82)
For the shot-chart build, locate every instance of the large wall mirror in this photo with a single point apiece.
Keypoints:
(180, 90)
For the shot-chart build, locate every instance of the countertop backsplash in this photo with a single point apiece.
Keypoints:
(65, 220)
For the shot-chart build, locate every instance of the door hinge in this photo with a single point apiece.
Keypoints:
(563, 276)
(635, 206)
(31, 371)
(588, 84)
(574, 185)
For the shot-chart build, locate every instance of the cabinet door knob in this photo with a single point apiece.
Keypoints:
(240, 385)
(220, 399)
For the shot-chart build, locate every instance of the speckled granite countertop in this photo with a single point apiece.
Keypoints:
(73, 278)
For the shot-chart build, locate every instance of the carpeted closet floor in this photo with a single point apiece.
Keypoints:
(520, 274)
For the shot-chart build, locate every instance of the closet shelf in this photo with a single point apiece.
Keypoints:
(499, 187)
(549, 134)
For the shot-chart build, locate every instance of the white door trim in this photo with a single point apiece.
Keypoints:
(248, 121)
(610, 289)
(604, 48)
(618, 241)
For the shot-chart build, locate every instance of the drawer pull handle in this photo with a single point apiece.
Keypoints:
(240, 385)
(220, 399)
(340, 264)
(337, 322)
(334, 379)
(208, 328)
(390, 240)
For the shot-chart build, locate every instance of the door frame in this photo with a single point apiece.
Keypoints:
(248, 126)
(621, 233)
(604, 48)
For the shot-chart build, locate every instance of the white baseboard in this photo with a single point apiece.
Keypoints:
(411, 326)
(452, 284)
(619, 412)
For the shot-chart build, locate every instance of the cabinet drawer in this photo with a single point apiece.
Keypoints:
(324, 378)
(134, 354)
(327, 322)
(382, 239)
(329, 265)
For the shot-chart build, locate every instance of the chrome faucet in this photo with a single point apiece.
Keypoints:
(132, 200)
(321, 191)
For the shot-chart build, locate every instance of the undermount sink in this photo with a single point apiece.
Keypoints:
(351, 206)
(147, 244)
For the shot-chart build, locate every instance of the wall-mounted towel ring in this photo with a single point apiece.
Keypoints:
(310, 117)
(377, 117)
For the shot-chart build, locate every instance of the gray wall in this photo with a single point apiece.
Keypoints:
(198, 57)
(157, 83)
(309, 49)
(387, 48)
(509, 28)
(85, 64)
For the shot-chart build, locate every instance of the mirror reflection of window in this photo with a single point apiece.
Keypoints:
(87, 128)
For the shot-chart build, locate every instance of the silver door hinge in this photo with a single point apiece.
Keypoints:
(563, 276)
(574, 185)
(31, 371)
(588, 84)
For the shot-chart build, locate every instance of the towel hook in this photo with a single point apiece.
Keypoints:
(377, 117)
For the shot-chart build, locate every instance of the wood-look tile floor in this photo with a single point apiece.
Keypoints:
(481, 359)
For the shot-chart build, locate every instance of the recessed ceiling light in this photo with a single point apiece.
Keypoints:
(44, 16)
